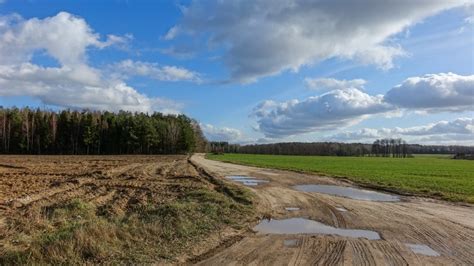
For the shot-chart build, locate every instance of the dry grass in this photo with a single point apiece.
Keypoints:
(141, 212)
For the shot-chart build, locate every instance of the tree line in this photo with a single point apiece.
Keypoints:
(28, 131)
(383, 148)
(390, 148)
(294, 148)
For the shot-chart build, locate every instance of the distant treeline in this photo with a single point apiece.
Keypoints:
(389, 148)
(384, 147)
(27, 131)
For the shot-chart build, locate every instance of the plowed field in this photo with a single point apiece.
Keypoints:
(76, 209)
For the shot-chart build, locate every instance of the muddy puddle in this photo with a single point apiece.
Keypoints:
(306, 226)
(292, 209)
(422, 249)
(348, 192)
(341, 209)
(247, 180)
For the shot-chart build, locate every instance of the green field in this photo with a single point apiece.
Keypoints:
(435, 176)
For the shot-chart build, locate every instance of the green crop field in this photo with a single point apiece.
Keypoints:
(435, 176)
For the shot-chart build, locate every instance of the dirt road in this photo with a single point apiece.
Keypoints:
(446, 228)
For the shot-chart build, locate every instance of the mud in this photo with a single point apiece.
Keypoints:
(447, 228)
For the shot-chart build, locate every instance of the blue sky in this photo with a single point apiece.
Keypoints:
(238, 66)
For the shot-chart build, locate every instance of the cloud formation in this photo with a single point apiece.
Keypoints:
(213, 133)
(78, 87)
(65, 37)
(447, 132)
(73, 83)
(127, 68)
(343, 107)
(331, 110)
(261, 41)
(434, 92)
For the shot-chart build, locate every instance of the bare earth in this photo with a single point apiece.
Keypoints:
(29, 184)
(117, 186)
(447, 228)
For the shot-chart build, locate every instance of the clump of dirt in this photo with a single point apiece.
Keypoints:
(109, 209)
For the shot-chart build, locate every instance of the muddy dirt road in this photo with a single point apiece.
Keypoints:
(414, 231)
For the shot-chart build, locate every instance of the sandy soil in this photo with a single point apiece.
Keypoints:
(447, 228)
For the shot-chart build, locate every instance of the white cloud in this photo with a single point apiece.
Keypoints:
(460, 130)
(458, 126)
(434, 93)
(64, 36)
(128, 68)
(333, 84)
(74, 84)
(331, 110)
(470, 11)
(78, 87)
(172, 33)
(260, 41)
(347, 105)
(213, 133)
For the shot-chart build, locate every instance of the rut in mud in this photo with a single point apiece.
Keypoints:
(413, 230)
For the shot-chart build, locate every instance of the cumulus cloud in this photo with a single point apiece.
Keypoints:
(444, 132)
(74, 84)
(214, 133)
(64, 36)
(347, 105)
(333, 84)
(331, 110)
(78, 87)
(260, 41)
(128, 68)
(434, 92)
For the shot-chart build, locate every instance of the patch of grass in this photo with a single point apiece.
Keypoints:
(76, 232)
(436, 176)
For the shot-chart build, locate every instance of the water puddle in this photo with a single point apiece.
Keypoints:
(291, 209)
(290, 242)
(306, 226)
(341, 209)
(422, 249)
(247, 180)
(348, 192)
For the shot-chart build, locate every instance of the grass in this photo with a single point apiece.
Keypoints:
(434, 176)
(77, 232)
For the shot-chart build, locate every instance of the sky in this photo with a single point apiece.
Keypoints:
(259, 71)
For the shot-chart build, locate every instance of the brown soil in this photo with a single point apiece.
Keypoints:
(447, 228)
(117, 186)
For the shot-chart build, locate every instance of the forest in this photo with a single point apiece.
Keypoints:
(27, 131)
(382, 147)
